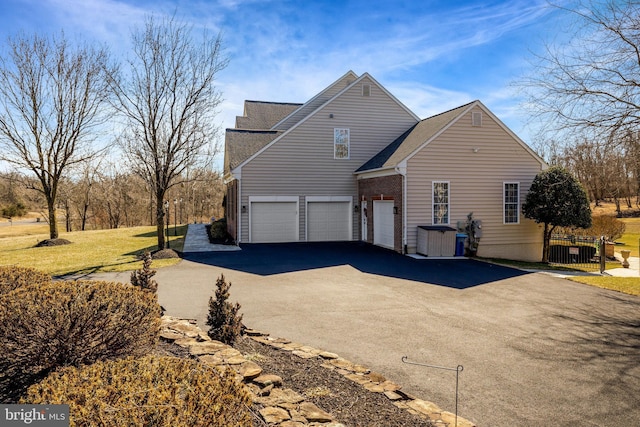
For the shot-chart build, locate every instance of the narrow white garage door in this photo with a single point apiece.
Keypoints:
(274, 222)
(383, 223)
(328, 221)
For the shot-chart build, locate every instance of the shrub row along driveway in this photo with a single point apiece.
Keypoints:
(536, 350)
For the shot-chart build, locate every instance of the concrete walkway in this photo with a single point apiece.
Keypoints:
(197, 240)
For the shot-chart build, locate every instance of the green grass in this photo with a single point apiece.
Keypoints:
(628, 285)
(524, 265)
(631, 237)
(90, 251)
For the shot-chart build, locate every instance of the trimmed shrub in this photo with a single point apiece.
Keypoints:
(13, 277)
(218, 232)
(224, 323)
(71, 323)
(151, 391)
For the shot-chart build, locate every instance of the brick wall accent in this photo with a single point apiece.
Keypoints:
(383, 188)
(231, 209)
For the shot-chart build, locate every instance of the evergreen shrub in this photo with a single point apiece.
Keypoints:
(71, 323)
(148, 391)
(13, 277)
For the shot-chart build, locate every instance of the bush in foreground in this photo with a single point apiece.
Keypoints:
(150, 391)
(225, 324)
(71, 323)
(13, 277)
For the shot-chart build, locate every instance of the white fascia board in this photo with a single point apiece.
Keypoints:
(375, 173)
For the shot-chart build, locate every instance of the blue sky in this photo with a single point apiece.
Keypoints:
(433, 55)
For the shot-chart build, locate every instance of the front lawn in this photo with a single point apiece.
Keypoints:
(90, 251)
(628, 285)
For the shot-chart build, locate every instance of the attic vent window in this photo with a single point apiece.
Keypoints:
(476, 119)
(366, 90)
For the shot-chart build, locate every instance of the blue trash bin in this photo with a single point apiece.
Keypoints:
(460, 238)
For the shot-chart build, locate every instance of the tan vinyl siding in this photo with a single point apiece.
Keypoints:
(476, 185)
(316, 102)
(302, 162)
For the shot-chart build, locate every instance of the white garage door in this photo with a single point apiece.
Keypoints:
(328, 221)
(383, 223)
(274, 222)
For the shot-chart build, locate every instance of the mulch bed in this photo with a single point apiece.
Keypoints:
(52, 242)
(350, 403)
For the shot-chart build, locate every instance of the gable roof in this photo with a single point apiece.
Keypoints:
(318, 106)
(263, 115)
(240, 144)
(422, 133)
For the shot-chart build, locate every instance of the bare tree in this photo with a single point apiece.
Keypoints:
(169, 99)
(591, 83)
(51, 99)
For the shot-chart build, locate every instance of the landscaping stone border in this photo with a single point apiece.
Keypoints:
(284, 407)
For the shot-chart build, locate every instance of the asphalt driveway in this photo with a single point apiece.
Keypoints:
(536, 350)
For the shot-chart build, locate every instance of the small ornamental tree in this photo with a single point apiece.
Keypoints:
(556, 199)
(143, 277)
(225, 324)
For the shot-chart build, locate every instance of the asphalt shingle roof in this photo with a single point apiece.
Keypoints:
(263, 115)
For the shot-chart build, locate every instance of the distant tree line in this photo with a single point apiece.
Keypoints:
(115, 199)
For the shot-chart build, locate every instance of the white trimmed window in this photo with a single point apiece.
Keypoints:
(340, 143)
(440, 192)
(511, 197)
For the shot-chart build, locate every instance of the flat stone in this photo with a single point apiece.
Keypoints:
(266, 391)
(391, 386)
(292, 346)
(360, 379)
(286, 396)
(227, 352)
(342, 364)
(208, 347)
(393, 396)
(360, 369)
(375, 388)
(303, 354)
(249, 370)
(292, 424)
(211, 359)
(186, 328)
(274, 415)
(254, 333)
(185, 342)
(170, 336)
(328, 355)
(234, 360)
(449, 419)
(266, 379)
(424, 407)
(312, 413)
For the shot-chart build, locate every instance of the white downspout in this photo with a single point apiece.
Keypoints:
(401, 169)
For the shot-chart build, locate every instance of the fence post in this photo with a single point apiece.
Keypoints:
(603, 254)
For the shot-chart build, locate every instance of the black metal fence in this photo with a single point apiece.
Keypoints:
(577, 251)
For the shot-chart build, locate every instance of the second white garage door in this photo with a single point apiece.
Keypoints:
(328, 221)
(274, 222)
